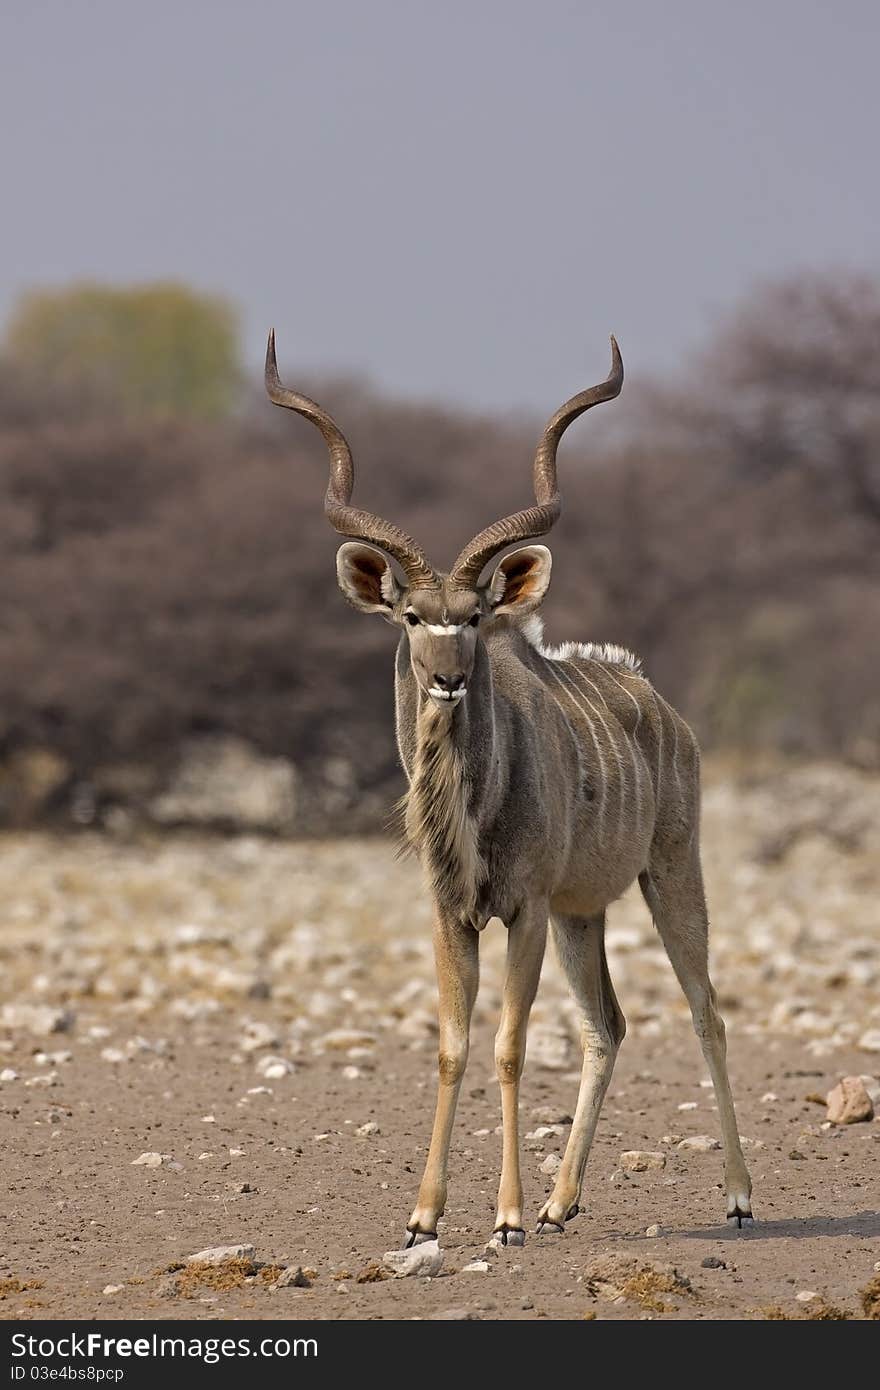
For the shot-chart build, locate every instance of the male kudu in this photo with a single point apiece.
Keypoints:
(541, 784)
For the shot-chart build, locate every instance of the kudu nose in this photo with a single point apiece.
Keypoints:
(449, 683)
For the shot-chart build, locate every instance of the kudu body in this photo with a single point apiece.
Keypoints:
(542, 783)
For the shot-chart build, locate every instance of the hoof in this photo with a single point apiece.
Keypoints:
(742, 1218)
(509, 1235)
(418, 1238)
(549, 1228)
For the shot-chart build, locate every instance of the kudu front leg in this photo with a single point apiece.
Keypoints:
(456, 951)
(526, 939)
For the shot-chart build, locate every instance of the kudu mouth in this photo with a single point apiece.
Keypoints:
(364, 526)
(447, 697)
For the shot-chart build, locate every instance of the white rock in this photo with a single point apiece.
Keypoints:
(217, 1254)
(424, 1260)
(544, 1132)
(870, 1083)
(274, 1067)
(640, 1160)
(551, 1165)
(870, 1041)
(652, 1231)
(278, 1069)
(258, 1034)
(340, 1039)
(113, 1288)
(768, 1098)
(849, 1102)
(369, 1128)
(688, 1105)
(806, 1295)
(476, 1267)
(40, 1019)
(148, 1160)
(548, 1048)
(551, 1115)
(113, 1054)
(699, 1144)
(7, 1074)
(352, 1073)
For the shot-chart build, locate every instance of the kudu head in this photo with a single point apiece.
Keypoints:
(441, 613)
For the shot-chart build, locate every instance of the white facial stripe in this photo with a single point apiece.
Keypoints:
(444, 629)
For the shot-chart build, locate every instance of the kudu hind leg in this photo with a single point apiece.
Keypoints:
(456, 950)
(678, 906)
(580, 946)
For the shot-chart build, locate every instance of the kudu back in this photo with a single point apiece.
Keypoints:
(541, 783)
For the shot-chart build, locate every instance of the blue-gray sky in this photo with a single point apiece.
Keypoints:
(459, 200)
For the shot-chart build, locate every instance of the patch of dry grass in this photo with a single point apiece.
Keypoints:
(14, 1285)
(620, 1277)
(191, 1280)
(870, 1297)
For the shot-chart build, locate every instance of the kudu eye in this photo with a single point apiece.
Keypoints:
(413, 619)
(474, 621)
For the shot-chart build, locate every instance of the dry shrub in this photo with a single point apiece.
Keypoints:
(621, 1276)
(14, 1285)
(870, 1297)
(818, 1311)
(192, 1279)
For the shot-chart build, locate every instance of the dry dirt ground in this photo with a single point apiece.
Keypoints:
(185, 998)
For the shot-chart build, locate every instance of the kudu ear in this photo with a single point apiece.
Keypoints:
(521, 580)
(366, 578)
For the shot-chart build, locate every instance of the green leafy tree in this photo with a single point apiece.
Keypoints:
(157, 349)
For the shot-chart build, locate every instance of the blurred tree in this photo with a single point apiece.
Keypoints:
(159, 349)
(791, 380)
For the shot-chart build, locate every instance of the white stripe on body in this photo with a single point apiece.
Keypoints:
(618, 842)
(637, 751)
(604, 780)
(634, 751)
